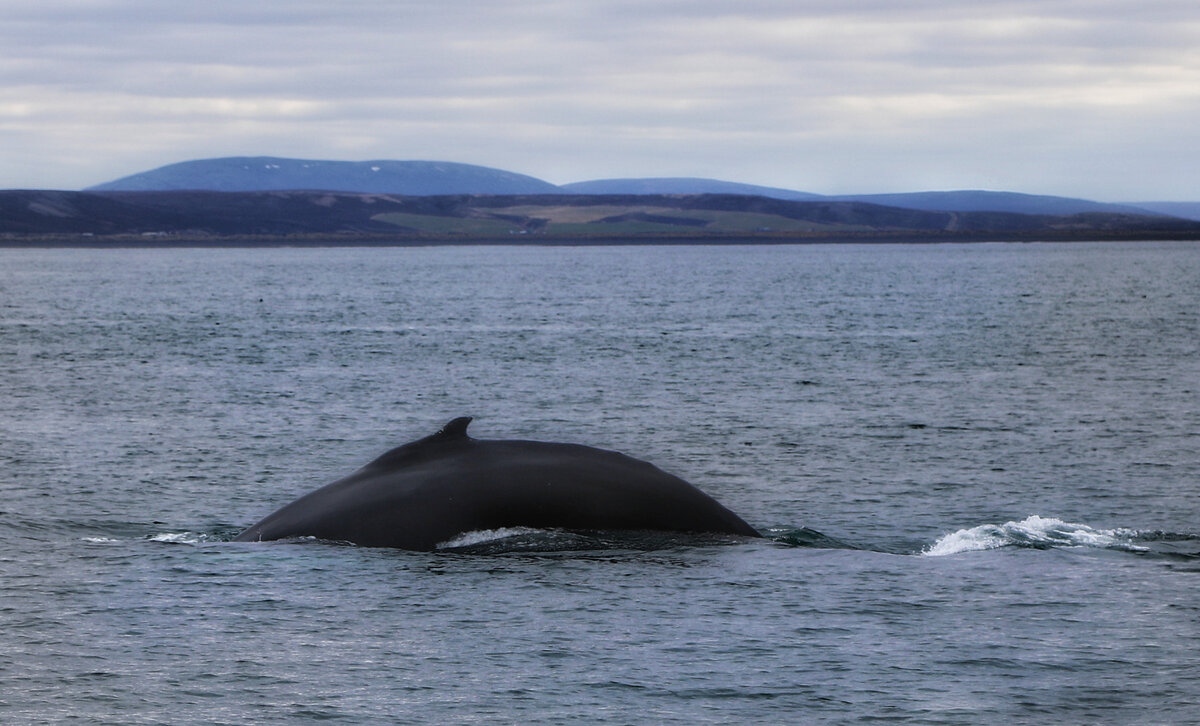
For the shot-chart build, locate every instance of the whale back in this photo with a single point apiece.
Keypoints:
(431, 490)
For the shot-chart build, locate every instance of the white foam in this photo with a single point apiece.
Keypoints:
(479, 536)
(168, 537)
(180, 537)
(1033, 531)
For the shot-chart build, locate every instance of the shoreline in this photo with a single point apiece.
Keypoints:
(167, 241)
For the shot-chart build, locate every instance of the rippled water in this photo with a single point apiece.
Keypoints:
(978, 467)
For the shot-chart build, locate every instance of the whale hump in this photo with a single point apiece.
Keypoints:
(456, 429)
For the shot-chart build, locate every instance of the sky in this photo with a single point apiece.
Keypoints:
(1097, 99)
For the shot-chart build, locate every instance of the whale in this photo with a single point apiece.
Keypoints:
(428, 492)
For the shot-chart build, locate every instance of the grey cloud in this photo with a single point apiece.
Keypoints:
(773, 91)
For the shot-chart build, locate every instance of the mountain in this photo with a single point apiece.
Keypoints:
(308, 217)
(267, 173)
(681, 185)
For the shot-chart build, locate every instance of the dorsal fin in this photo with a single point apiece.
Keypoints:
(456, 429)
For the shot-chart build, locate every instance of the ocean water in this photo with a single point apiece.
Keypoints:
(978, 467)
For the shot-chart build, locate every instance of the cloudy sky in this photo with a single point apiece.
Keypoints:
(1089, 98)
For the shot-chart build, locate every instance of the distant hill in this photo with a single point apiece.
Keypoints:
(1186, 210)
(681, 185)
(988, 201)
(433, 178)
(948, 201)
(305, 217)
(268, 173)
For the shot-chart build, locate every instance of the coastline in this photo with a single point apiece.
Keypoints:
(171, 240)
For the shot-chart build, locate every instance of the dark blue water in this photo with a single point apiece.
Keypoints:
(979, 467)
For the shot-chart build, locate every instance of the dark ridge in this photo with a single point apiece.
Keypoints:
(337, 217)
(681, 185)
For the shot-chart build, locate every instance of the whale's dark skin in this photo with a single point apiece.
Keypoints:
(425, 493)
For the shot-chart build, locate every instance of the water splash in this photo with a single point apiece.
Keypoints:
(164, 537)
(1033, 532)
(526, 540)
(184, 538)
(481, 536)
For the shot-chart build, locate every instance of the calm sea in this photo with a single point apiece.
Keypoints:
(979, 467)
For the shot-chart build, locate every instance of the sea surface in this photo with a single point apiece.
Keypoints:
(977, 467)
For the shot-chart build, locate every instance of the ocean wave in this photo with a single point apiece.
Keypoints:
(1033, 532)
(806, 537)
